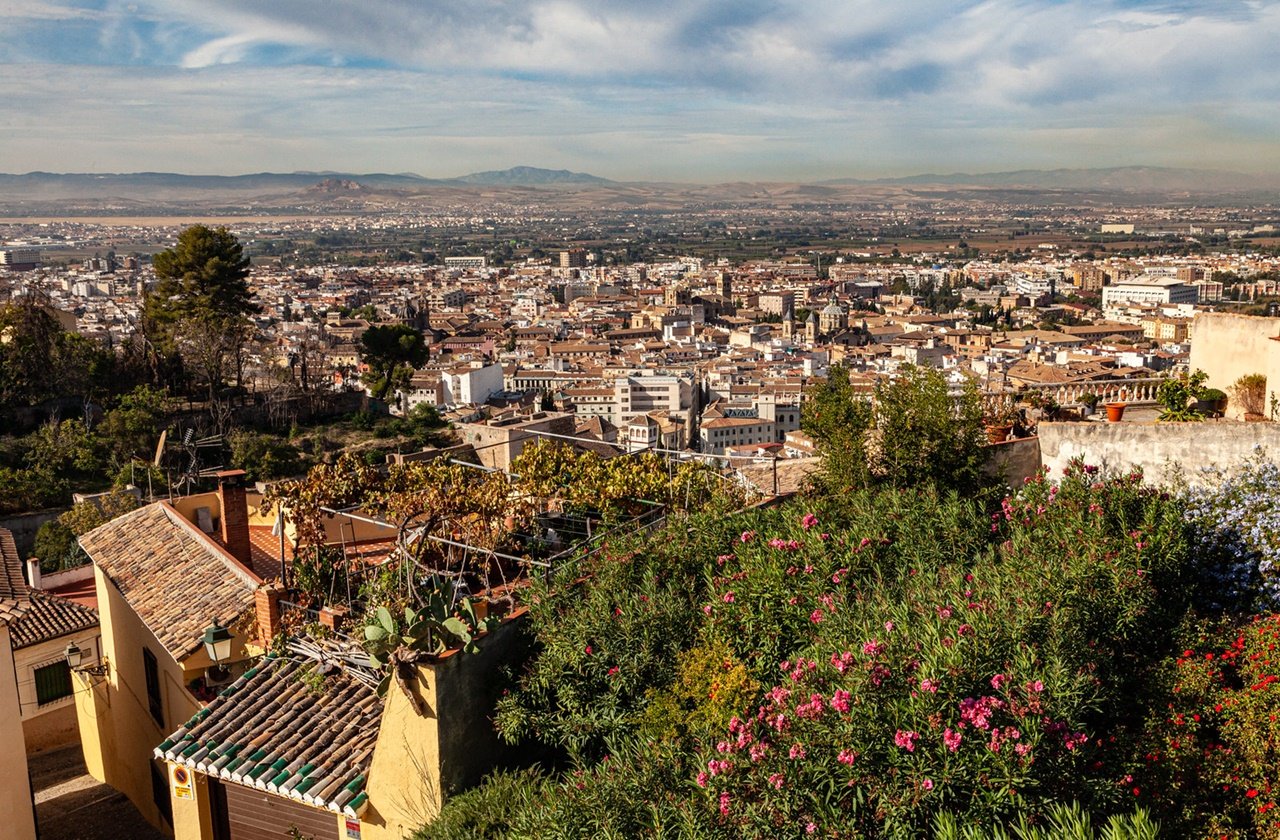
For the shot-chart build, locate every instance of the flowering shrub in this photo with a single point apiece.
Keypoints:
(1236, 520)
(975, 686)
(1213, 760)
(896, 663)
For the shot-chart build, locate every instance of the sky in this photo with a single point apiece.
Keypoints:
(687, 90)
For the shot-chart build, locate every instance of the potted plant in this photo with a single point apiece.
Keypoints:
(997, 416)
(1176, 394)
(1250, 394)
(1212, 401)
(1089, 403)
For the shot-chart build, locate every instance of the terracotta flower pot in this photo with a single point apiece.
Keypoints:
(1115, 412)
(999, 433)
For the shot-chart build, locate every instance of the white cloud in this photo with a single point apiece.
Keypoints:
(790, 86)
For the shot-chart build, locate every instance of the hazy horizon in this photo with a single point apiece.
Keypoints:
(651, 90)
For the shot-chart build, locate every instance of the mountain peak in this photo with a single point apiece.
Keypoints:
(531, 176)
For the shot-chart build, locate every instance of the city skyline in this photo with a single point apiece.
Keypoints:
(706, 91)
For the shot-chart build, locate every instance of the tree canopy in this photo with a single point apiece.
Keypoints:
(204, 275)
(391, 352)
(198, 311)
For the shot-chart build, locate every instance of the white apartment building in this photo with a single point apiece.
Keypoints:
(1151, 290)
(723, 432)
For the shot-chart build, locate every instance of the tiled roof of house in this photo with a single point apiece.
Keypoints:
(48, 618)
(173, 576)
(13, 589)
(272, 730)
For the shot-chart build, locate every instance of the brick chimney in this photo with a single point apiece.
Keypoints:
(266, 602)
(235, 515)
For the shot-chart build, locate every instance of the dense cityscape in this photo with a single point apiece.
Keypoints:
(555, 419)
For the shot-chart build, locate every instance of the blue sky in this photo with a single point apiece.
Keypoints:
(696, 90)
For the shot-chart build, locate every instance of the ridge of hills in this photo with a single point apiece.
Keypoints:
(33, 193)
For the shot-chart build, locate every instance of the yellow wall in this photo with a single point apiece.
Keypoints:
(403, 787)
(53, 724)
(16, 815)
(1227, 346)
(192, 818)
(116, 728)
(420, 760)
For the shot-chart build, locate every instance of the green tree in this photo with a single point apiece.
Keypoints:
(131, 429)
(198, 311)
(391, 352)
(40, 361)
(925, 434)
(264, 457)
(838, 420)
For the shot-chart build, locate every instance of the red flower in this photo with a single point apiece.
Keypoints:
(1251, 792)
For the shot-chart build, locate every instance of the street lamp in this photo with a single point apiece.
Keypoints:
(75, 661)
(217, 644)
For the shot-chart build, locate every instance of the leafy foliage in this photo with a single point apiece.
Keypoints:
(391, 352)
(919, 666)
(911, 431)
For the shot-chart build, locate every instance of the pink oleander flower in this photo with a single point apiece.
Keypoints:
(775, 780)
(997, 681)
(847, 757)
(724, 804)
(724, 558)
(1022, 750)
(728, 597)
(747, 536)
(587, 650)
(613, 671)
(951, 739)
(906, 739)
(757, 751)
(964, 630)
(702, 779)
(816, 616)
(888, 626)
(872, 648)
(840, 700)
(797, 752)
(944, 613)
(1036, 686)
(810, 828)
(930, 686)
(927, 784)
(808, 521)
(706, 608)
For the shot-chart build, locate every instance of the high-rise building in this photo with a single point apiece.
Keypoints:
(573, 258)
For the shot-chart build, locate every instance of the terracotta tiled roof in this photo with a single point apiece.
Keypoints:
(13, 589)
(48, 618)
(273, 731)
(174, 577)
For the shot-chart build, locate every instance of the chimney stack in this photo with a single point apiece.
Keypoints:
(33, 572)
(235, 515)
(266, 602)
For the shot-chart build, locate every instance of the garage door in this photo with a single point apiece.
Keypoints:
(244, 813)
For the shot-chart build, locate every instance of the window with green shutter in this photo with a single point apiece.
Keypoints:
(53, 682)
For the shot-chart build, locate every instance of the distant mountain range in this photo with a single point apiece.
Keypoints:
(36, 193)
(1117, 179)
(530, 176)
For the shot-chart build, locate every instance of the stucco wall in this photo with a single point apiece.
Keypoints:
(25, 525)
(1013, 460)
(419, 760)
(1227, 346)
(53, 724)
(16, 815)
(1158, 448)
(116, 728)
